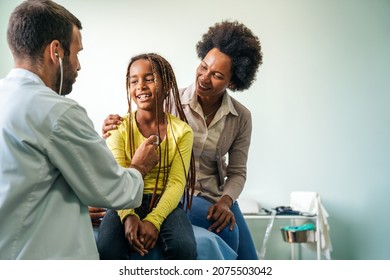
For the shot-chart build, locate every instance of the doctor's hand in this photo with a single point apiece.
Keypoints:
(221, 215)
(110, 123)
(97, 215)
(146, 156)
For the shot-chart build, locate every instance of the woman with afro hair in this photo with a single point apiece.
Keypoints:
(230, 57)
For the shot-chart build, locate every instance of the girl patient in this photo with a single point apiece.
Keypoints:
(160, 220)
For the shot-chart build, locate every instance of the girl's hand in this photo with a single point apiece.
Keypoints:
(150, 235)
(134, 231)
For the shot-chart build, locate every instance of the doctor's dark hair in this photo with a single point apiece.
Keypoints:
(162, 69)
(239, 43)
(36, 23)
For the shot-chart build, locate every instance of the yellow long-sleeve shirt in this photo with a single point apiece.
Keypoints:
(179, 160)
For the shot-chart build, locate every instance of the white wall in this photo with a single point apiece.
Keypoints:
(321, 103)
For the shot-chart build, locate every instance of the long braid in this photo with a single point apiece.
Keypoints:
(129, 111)
(171, 89)
(165, 158)
(171, 83)
(190, 186)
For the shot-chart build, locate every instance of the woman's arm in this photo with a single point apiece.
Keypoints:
(238, 156)
(111, 122)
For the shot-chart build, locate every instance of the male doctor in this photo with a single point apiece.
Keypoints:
(53, 164)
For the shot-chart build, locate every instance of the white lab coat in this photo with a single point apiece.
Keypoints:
(53, 165)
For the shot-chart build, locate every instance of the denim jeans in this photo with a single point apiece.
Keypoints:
(239, 239)
(176, 239)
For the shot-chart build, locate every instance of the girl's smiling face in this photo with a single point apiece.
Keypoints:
(144, 89)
